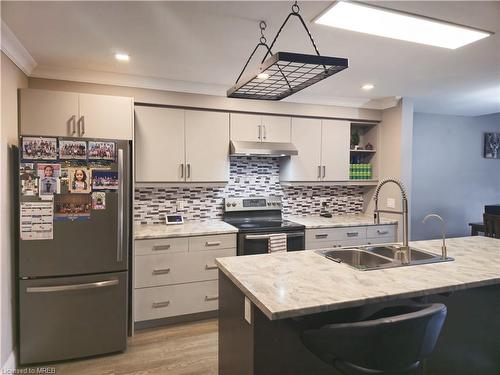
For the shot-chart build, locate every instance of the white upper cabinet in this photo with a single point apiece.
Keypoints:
(335, 142)
(159, 144)
(105, 116)
(258, 128)
(174, 145)
(44, 112)
(306, 166)
(207, 146)
(69, 114)
(323, 151)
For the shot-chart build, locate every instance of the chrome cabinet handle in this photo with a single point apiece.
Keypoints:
(207, 267)
(324, 171)
(382, 232)
(352, 234)
(213, 298)
(319, 171)
(188, 171)
(214, 243)
(161, 247)
(83, 124)
(63, 288)
(162, 271)
(119, 249)
(322, 235)
(72, 122)
(182, 170)
(157, 305)
(265, 132)
(260, 132)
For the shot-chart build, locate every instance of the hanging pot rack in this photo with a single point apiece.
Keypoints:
(284, 73)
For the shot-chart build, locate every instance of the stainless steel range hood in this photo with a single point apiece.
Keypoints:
(244, 148)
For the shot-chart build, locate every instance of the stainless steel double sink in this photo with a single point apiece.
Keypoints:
(366, 258)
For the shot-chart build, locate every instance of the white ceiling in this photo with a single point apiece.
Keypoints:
(201, 47)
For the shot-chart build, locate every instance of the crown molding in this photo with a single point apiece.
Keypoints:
(15, 51)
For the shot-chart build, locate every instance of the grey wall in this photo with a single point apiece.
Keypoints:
(450, 175)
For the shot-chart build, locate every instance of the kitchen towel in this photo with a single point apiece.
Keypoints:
(276, 242)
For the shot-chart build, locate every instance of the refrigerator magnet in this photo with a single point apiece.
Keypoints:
(48, 186)
(72, 150)
(104, 180)
(102, 150)
(99, 200)
(48, 170)
(79, 180)
(27, 171)
(39, 148)
(72, 207)
(29, 187)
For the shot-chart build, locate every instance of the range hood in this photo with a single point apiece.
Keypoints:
(245, 148)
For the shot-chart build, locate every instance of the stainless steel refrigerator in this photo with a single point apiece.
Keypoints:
(73, 287)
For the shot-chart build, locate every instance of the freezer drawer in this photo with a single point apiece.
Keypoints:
(72, 317)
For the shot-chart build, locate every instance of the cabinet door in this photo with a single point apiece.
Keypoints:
(276, 129)
(335, 150)
(306, 136)
(159, 144)
(246, 127)
(45, 112)
(104, 116)
(207, 146)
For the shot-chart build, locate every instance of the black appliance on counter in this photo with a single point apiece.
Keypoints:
(258, 217)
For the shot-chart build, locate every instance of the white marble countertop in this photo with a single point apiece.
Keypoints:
(284, 285)
(189, 228)
(337, 221)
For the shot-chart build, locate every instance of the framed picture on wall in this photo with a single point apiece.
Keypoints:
(492, 145)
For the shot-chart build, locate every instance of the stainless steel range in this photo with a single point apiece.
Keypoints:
(258, 217)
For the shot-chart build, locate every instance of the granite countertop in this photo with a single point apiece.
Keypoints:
(284, 285)
(337, 221)
(189, 228)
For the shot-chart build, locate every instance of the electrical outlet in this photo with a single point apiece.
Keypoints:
(180, 205)
(391, 203)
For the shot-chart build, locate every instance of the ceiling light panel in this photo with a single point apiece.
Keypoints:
(398, 25)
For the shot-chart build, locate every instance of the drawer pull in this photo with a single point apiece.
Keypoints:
(159, 305)
(382, 232)
(323, 235)
(352, 234)
(213, 298)
(161, 247)
(207, 267)
(161, 271)
(214, 243)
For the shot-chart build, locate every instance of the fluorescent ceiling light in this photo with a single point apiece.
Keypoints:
(368, 86)
(122, 57)
(393, 24)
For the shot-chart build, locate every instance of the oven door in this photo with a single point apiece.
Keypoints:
(257, 243)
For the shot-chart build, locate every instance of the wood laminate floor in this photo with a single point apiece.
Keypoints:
(181, 349)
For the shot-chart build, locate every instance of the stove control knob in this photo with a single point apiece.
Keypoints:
(234, 204)
(228, 204)
(268, 203)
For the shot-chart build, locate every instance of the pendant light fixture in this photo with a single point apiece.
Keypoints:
(284, 73)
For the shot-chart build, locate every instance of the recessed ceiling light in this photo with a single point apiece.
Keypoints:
(262, 76)
(394, 24)
(368, 86)
(122, 56)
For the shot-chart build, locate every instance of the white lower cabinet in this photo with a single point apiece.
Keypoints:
(178, 276)
(324, 238)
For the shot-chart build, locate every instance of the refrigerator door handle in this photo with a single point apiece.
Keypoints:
(64, 288)
(119, 247)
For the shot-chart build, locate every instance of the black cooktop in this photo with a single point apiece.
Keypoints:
(266, 225)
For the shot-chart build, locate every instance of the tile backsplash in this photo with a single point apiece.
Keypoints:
(249, 176)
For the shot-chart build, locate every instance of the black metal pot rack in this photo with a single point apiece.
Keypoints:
(284, 73)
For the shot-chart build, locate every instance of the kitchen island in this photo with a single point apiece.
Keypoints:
(288, 292)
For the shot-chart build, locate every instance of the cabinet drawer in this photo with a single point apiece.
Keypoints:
(167, 301)
(177, 268)
(381, 231)
(220, 241)
(329, 234)
(162, 245)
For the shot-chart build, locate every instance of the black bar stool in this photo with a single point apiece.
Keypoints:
(394, 340)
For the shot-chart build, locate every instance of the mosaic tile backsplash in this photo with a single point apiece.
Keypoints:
(249, 176)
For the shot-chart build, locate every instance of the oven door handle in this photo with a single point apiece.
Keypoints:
(266, 236)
